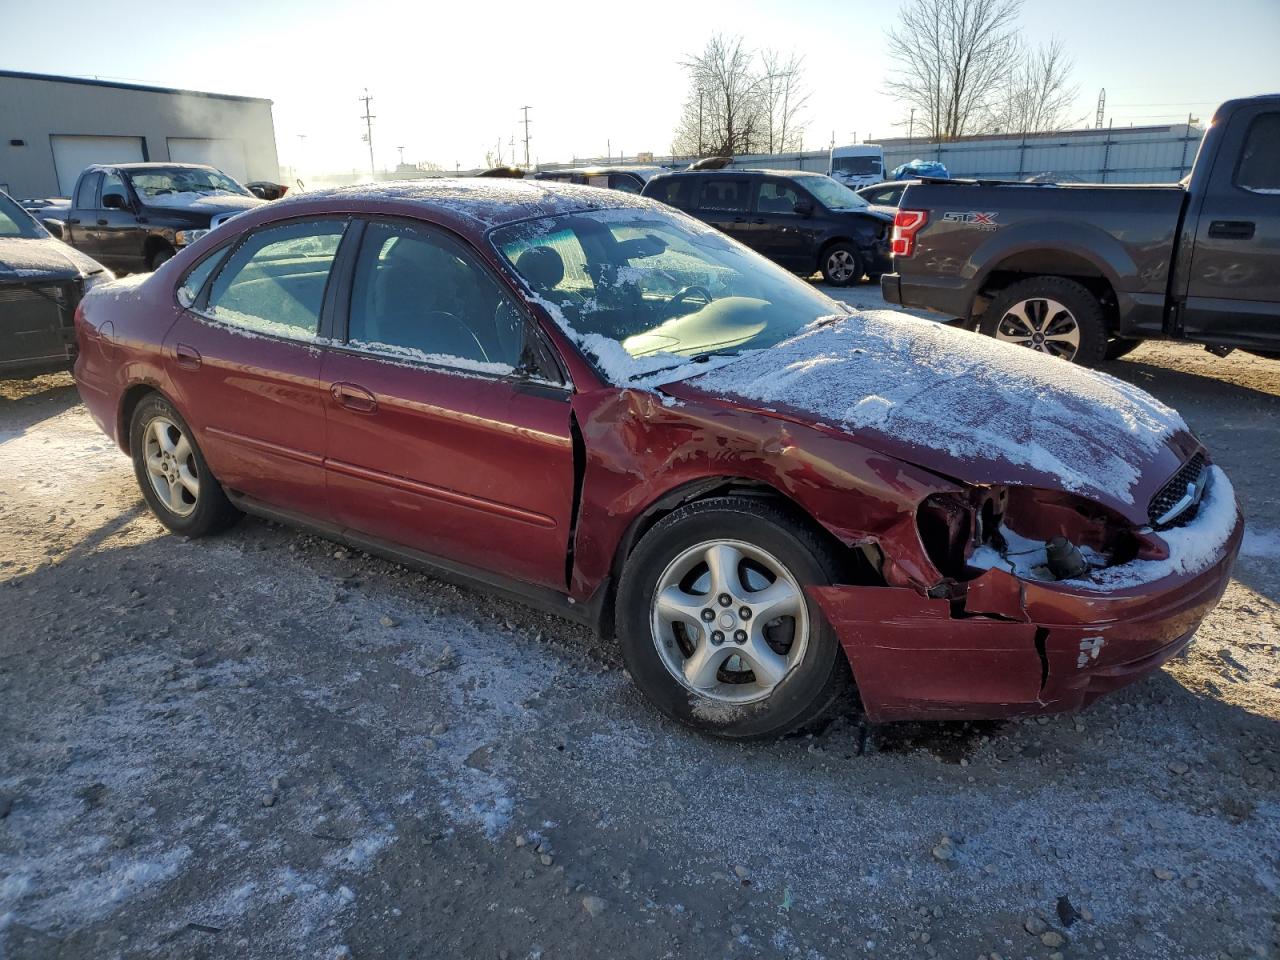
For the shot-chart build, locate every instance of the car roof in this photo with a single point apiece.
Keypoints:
(644, 172)
(475, 202)
(153, 165)
(743, 171)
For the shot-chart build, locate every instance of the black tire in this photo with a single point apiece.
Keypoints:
(1083, 306)
(836, 260)
(1119, 347)
(807, 693)
(159, 257)
(212, 511)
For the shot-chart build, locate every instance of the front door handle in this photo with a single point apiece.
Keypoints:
(1231, 229)
(354, 397)
(73, 220)
(188, 357)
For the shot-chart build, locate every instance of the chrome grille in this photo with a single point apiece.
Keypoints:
(1186, 483)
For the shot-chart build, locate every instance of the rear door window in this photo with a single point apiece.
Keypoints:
(274, 282)
(1259, 168)
(718, 193)
(777, 196)
(87, 192)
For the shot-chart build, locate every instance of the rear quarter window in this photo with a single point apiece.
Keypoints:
(1259, 168)
(670, 191)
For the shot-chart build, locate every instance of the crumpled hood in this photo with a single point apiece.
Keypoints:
(965, 406)
(30, 258)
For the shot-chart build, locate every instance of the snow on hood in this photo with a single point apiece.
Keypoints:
(194, 202)
(31, 257)
(992, 412)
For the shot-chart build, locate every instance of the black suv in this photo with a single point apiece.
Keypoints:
(801, 221)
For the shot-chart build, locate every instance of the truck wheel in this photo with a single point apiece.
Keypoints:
(841, 265)
(1051, 315)
(716, 628)
(159, 257)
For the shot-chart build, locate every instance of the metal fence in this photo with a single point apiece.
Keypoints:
(1127, 155)
(1162, 154)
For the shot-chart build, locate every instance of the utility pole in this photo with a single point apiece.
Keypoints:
(526, 137)
(401, 149)
(368, 128)
(608, 151)
(699, 123)
(911, 128)
(1102, 108)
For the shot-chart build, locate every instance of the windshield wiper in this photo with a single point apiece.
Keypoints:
(695, 358)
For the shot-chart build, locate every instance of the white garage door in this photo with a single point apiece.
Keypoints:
(226, 155)
(71, 154)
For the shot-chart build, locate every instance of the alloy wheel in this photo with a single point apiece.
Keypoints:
(729, 621)
(840, 265)
(171, 466)
(1044, 325)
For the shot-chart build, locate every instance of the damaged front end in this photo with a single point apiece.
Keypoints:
(1014, 601)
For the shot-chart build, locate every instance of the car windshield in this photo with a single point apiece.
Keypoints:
(16, 222)
(834, 196)
(858, 166)
(643, 290)
(162, 182)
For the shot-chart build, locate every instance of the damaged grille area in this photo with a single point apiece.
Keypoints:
(1188, 478)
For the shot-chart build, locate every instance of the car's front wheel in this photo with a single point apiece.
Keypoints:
(175, 479)
(841, 265)
(715, 625)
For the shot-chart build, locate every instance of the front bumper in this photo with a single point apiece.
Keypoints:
(1013, 647)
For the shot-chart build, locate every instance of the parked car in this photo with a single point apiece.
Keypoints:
(135, 216)
(601, 405)
(919, 168)
(41, 283)
(805, 222)
(630, 179)
(884, 197)
(1087, 272)
(50, 211)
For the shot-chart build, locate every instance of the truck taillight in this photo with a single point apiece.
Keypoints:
(906, 224)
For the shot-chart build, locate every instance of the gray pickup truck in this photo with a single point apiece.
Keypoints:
(1086, 272)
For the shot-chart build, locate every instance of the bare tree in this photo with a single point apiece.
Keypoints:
(784, 99)
(1038, 95)
(951, 58)
(739, 101)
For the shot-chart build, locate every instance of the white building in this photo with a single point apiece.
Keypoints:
(53, 127)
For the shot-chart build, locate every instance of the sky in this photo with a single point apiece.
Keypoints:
(448, 80)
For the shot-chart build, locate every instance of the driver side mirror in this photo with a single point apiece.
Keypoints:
(114, 201)
(803, 207)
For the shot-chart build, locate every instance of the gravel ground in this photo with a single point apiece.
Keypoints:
(264, 746)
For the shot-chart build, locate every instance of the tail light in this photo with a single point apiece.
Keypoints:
(906, 224)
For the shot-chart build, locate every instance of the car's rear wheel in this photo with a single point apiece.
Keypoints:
(175, 479)
(715, 625)
(1051, 315)
(841, 265)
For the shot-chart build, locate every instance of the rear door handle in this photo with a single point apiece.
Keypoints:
(102, 223)
(354, 397)
(1231, 229)
(73, 220)
(758, 220)
(188, 357)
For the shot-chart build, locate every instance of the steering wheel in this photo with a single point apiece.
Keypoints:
(685, 292)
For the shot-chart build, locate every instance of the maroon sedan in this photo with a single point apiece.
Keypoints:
(606, 408)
